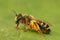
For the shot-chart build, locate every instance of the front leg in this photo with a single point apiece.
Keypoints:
(17, 26)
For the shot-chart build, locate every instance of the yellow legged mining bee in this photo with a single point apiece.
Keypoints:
(32, 23)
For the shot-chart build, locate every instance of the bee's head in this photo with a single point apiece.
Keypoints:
(18, 17)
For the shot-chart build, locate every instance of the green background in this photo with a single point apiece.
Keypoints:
(48, 10)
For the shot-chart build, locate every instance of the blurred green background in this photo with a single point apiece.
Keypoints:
(48, 10)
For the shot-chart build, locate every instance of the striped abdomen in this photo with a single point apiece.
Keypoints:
(44, 27)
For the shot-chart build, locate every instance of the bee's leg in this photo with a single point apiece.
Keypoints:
(17, 26)
(38, 28)
(39, 31)
(26, 28)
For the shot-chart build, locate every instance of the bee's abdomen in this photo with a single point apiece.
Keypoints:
(44, 27)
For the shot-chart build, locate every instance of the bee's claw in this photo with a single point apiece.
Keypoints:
(17, 28)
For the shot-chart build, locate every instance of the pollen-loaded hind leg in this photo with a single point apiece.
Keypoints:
(37, 28)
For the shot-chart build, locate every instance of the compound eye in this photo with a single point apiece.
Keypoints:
(19, 18)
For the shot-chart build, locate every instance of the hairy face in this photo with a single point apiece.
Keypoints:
(18, 18)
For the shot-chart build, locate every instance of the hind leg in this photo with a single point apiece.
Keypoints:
(25, 28)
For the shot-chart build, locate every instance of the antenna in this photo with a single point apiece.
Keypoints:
(14, 12)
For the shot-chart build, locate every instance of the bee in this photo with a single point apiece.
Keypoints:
(32, 23)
